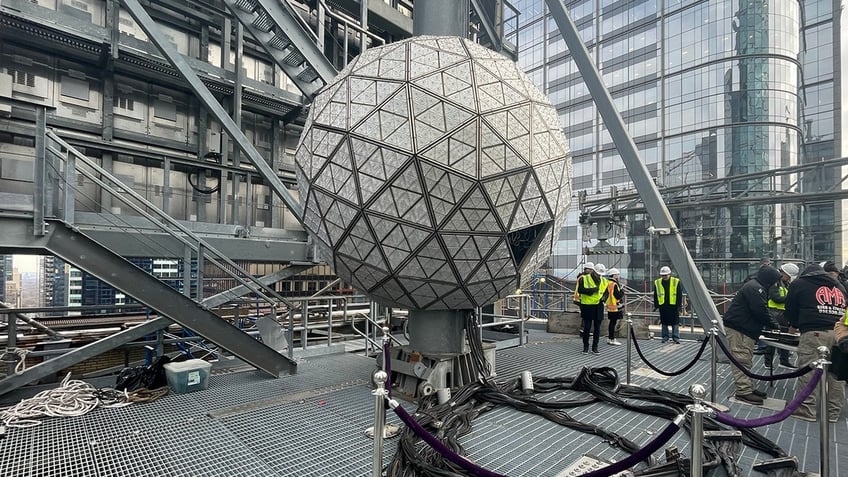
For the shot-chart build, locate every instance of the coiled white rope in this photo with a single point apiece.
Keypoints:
(71, 398)
(22, 354)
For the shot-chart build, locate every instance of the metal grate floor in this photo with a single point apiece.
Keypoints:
(312, 423)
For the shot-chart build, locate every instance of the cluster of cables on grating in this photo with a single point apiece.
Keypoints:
(450, 421)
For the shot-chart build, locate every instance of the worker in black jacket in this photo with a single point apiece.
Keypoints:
(745, 319)
(814, 303)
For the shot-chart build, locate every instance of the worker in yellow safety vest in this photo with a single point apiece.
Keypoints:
(592, 288)
(615, 303)
(668, 299)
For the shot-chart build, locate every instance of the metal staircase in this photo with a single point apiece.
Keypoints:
(285, 37)
(58, 165)
(76, 248)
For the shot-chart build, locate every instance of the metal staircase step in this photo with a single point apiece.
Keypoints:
(279, 41)
(263, 21)
(247, 5)
(293, 59)
(308, 75)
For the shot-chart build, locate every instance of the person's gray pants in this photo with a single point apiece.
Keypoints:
(807, 353)
(742, 348)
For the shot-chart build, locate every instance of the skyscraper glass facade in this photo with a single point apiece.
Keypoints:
(708, 89)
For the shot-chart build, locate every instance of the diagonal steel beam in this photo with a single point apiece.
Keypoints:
(669, 235)
(88, 255)
(155, 35)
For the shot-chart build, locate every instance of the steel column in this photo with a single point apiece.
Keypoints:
(665, 226)
(40, 173)
(363, 19)
(441, 17)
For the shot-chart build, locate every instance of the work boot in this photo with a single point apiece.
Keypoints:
(750, 398)
(759, 393)
(784, 363)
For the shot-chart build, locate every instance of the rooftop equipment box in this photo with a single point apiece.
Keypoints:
(188, 376)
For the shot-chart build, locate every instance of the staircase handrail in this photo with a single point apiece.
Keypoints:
(164, 216)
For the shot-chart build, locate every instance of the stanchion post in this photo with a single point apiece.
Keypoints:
(714, 361)
(696, 413)
(389, 430)
(824, 438)
(379, 421)
(629, 338)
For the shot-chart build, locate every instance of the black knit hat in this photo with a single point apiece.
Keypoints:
(829, 266)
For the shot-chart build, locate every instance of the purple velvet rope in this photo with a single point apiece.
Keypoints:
(626, 463)
(444, 450)
(638, 456)
(667, 373)
(789, 409)
(387, 363)
(762, 377)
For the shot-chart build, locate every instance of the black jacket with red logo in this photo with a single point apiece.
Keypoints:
(815, 301)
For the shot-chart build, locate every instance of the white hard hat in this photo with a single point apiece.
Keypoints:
(790, 269)
(612, 272)
(600, 268)
(665, 271)
(588, 265)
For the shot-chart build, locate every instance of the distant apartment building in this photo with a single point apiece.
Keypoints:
(5, 275)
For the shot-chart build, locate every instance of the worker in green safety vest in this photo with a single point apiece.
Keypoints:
(668, 299)
(592, 288)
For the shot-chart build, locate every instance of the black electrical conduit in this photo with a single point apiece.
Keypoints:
(667, 373)
(766, 420)
(762, 377)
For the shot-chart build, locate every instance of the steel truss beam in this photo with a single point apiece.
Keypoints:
(721, 193)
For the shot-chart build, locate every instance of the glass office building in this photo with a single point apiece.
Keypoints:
(708, 89)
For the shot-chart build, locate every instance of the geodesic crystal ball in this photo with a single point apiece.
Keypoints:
(433, 173)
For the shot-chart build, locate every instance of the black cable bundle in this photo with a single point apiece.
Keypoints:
(475, 343)
(452, 420)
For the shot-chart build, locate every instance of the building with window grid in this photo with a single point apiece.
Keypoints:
(708, 89)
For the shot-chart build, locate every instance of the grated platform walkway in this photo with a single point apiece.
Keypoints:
(312, 423)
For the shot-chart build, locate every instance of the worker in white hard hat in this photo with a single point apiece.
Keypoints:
(776, 306)
(615, 304)
(668, 299)
(592, 288)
